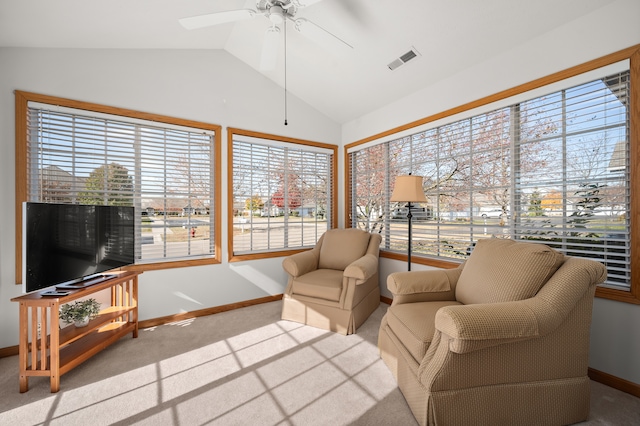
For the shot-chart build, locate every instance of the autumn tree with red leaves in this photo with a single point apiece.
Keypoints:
(289, 195)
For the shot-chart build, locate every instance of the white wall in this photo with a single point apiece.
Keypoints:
(615, 336)
(208, 86)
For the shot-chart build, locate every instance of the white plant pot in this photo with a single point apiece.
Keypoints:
(82, 322)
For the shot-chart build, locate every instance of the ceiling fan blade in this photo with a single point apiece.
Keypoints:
(210, 19)
(320, 35)
(304, 3)
(270, 49)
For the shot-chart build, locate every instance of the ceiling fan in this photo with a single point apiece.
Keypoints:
(277, 12)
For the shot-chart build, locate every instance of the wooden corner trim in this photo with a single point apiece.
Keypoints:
(614, 382)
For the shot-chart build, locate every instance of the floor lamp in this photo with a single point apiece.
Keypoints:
(408, 189)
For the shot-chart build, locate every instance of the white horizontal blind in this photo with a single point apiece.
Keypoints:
(166, 173)
(282, 194)
(576, 199)
(552, 169)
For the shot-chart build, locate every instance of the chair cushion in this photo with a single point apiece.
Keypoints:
(340, 247)
(321, 283)
(501, 270)
(414, 324)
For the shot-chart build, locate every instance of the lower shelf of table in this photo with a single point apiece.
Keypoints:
(72, 355)
(81, 350)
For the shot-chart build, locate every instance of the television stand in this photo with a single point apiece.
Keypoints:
(47, 350)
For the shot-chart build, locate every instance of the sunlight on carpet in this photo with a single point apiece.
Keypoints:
(281, 372)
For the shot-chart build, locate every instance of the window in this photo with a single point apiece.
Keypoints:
(80, 153)
(574, 194)
(282, 191)
(553, 169)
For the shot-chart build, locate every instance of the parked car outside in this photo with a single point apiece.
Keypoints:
(495, 214)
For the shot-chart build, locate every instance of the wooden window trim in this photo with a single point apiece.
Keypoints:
(231, 132)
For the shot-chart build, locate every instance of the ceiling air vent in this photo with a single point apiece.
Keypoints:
(403, 59)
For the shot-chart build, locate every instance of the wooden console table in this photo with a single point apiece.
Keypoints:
(47, 350)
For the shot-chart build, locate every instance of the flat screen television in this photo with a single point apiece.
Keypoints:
(71, 244)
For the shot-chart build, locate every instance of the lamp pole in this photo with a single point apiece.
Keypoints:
(409, 216)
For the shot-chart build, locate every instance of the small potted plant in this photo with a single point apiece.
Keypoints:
(80, 312)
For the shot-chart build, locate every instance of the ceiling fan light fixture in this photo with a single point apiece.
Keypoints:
(276, 15)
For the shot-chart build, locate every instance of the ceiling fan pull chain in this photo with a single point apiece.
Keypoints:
(285, 72)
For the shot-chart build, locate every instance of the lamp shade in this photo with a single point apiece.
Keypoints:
(408, 189)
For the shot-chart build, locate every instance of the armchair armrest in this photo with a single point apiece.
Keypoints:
(300, 263)
(423, 286)
(473, 327)
(363, 268)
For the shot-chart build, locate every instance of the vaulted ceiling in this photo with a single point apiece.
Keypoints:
(343, 84)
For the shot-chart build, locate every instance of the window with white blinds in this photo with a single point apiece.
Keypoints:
(165, 171)
(576, 199)
(282, 194)
(554, 169)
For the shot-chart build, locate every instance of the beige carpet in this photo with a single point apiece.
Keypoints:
(240, 367)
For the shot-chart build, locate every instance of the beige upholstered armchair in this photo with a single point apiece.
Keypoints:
(501, 340)
(334, 286)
